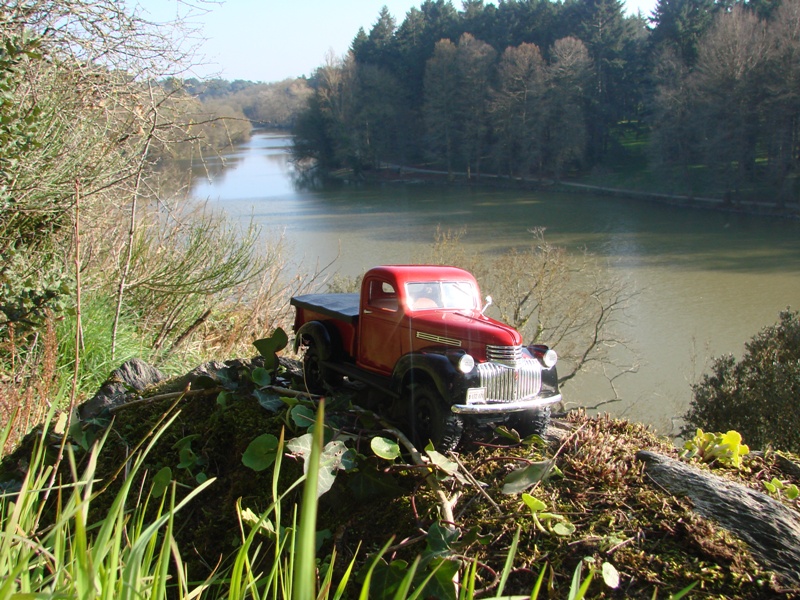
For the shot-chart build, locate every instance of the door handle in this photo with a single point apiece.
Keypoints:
(367, 311)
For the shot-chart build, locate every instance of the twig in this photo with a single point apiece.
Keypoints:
(115, 409)
(475, 482)
(293, 393)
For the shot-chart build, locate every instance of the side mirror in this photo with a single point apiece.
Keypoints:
(487, 305)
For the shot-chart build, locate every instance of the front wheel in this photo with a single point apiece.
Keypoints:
(531, 422)
(431, 420)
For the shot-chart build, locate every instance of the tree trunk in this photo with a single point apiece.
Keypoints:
(770, 528)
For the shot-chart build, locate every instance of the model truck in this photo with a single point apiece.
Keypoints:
(419, 334)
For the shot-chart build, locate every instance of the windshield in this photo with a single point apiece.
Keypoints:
(440, 294)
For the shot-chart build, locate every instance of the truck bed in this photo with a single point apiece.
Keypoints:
(342, 307)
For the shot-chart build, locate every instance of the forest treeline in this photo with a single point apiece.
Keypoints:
(544, 89)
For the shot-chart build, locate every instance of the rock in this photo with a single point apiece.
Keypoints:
(132, 376)
(770, 528)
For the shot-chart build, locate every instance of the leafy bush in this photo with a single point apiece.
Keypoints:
(758, 395)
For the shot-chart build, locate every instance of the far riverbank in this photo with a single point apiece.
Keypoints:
(410, 175)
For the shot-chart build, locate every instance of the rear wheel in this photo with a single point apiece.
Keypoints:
(318, 378)
(430, 419)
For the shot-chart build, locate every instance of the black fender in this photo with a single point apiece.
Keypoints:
(320, 335)
(438, 367)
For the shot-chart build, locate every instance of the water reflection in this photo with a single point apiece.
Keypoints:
(708, 280)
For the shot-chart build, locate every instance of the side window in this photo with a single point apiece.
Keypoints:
(382, 295)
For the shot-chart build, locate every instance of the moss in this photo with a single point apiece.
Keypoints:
(655, 540)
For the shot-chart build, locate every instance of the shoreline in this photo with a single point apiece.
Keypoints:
(392, 173)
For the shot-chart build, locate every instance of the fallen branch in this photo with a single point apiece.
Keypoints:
(770, 528)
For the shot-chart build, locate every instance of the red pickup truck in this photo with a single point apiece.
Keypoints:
(419, 334)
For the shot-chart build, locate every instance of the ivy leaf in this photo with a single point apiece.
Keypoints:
(335, 456)
(303, 416)
(521, 479)
(385, 448)
(261, 377)
(261, 452)
(440, 539)
(272, 402)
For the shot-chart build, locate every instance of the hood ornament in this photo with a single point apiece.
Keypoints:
(487, 305)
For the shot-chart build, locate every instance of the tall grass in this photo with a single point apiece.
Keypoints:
(96, 360)
(132, 553)
(64, 555)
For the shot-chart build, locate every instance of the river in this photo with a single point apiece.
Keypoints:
(707, 281)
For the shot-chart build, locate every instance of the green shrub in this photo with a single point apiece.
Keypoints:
(757, 396)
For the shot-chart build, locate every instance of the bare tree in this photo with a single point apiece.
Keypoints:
(516, 109)
(569, 76)
(571, 302)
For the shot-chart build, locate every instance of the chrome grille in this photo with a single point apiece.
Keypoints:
(504, 354)
(507, 383)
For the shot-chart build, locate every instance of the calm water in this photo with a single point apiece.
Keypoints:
(707, 281)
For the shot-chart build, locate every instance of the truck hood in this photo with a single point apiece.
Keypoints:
(472, 330)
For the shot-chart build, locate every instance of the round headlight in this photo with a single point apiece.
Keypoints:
(466, 363)
(550, 358)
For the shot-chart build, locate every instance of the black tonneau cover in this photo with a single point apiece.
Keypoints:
(338, 306)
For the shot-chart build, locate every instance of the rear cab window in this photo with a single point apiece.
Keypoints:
(382, 296)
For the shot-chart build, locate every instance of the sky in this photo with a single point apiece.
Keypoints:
(273, 40)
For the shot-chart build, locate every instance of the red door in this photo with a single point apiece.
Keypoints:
(380, 326)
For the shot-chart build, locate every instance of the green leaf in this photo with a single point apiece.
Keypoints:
(533, 503)
(610, 575)
(564, 529)
(521, 479)
(440, 461)
(223, 397)
(302, 416)
(272, 402)
(441, 538)
(792, 492)
(269, 347)
(261, 377)
(188, 458)
(161, 482)
(385, 448)
(335, 456)
(261, 452)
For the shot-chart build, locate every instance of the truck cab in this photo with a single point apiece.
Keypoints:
(419, 333)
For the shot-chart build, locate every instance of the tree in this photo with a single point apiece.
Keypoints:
(782, 102)
(569, 76)
(729, 81)
(379, 47)
(442, 103)
(674, 141)
(517, 110)
(475, 60)
(680, 24)
(571, 303)
(757, 395)
(606, 32)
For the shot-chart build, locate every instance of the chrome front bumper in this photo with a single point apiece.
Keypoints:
(499, 408)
